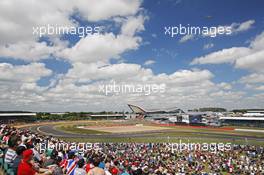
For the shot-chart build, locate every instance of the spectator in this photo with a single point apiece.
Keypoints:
(107, 167)
(57, 169)
(70, 165)
(19, 152)
(96, 170)
(89, 165)
(80, 168)
(11, 154)
(26, 167)
(51, 159)
(126, 158)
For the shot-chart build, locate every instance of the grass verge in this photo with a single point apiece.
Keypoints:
(74, 129)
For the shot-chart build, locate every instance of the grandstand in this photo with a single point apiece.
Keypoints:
(243, 121)
(10, 117)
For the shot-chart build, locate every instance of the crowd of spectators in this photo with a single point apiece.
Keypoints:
(20, 150)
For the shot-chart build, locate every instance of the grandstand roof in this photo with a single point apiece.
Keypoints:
(242, 118)
(17, 114)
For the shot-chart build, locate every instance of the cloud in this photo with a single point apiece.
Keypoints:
(133, 25)
(177, 2)
(85, 72)
(23, 73)
(80, 86)
(30, 51)
(154, 35)
(225, 86)
(84, 79)
(231, 29)
(174, 2)
(90, 59)
(39, 13)
(18, 85)
(254, 81)
(253, 78)
(94, 10)
(100, 47)
(241, 27)
(182, 77)
(186, 38)
(253, 61)
(149, 62)
(208, 46)
(260, 88)
(18, 42)
(33, 13)
(223, 56)
(106, 46)
(250, 58)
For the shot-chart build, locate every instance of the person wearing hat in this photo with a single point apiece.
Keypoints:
(114, 171)
(26, 167)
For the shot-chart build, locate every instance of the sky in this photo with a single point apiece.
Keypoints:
(64, 72)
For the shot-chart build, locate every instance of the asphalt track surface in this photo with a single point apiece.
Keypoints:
(50, 130)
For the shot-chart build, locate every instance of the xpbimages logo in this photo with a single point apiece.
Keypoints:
(174, 31)
(114, 88)
(208, 147)
(80, 31)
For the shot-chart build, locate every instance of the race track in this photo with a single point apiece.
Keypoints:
(48, 129)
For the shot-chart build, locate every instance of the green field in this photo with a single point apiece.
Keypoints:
(185, 134)
(74, 129)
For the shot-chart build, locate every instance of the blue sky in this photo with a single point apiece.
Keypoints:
(171, 55)
(62, 63)
(166, 13)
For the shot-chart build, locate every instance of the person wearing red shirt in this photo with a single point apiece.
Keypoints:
(25, 167)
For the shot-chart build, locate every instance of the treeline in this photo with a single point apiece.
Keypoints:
(245, 110)
(70, 115)
(212, 109)
(66, 116)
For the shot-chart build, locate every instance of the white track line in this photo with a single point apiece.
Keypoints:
(250, 130)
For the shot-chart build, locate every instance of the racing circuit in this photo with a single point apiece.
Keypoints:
(125, 131)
